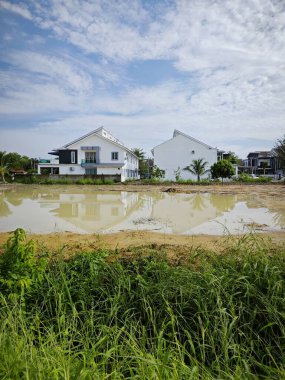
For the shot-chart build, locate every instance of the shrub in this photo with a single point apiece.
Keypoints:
(108, 182)
(263, 179)
(19, 268)
(98, 181)
(85, 181)
(244, 177)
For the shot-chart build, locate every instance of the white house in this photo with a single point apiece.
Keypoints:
(97, 153)
(175, 154)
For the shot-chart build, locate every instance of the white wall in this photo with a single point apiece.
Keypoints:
(180, 151)
(105, 151)
(106, 148)
(108, 171)
(64, 169)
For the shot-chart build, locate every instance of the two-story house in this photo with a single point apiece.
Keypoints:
(175, 154)
(97, 153)
(262, 163)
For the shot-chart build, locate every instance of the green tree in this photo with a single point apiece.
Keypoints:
(223, 169)
(14, 160)
(139, 153)
(233, 158)
(156, 172)
(3, 165)
(280, 151)
(26, 163)
(143, 162)
(198, 168)
(177, 174)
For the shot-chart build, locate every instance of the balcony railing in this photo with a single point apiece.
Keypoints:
(48, 162)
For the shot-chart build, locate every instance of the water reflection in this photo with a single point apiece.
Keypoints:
(181, 212)
(4, 206)
(49, 209)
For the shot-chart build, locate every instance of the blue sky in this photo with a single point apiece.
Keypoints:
(213, 69)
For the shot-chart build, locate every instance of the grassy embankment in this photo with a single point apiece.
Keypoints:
(102, 316)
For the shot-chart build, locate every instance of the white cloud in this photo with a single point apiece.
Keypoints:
(52, 69)
(19, 9)
(234, 50)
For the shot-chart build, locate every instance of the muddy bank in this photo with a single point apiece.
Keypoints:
(274, 189)
(126, 241)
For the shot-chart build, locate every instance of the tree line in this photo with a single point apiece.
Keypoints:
(10, 162)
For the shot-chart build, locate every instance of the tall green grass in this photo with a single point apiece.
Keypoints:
(102, 316)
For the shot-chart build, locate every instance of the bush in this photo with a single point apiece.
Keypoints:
(26, 179)
(244, 177)
(108, 182)
(97, 181)
(19, 268)
(264, 179)
(85, 181)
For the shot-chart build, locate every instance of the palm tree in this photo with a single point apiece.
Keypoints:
(198, 167)
(3, 166)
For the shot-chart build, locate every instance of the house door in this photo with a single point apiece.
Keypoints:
(90, 157)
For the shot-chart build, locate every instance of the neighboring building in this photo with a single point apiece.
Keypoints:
(96, 154)
(262, 163)
(174, 155)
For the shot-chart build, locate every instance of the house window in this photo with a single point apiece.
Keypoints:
(115, 156)
(90, 157)
(73, 157)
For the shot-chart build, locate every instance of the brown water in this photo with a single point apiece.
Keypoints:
(85, 210)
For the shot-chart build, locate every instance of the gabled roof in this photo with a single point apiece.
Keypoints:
(261, 154)
(177, 133)
(100, 133)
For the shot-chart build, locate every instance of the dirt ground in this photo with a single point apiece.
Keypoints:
(71, 243)
(274, 189)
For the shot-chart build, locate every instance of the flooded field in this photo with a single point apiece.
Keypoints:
(86, 210)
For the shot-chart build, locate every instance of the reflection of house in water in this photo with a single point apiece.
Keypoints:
(182, 212)
(93, 212)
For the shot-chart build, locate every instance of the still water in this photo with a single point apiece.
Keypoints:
(82, 210)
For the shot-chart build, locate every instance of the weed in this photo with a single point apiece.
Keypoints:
(19, 268)
(96, 318)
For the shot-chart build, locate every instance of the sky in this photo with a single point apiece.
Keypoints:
(213, 69)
